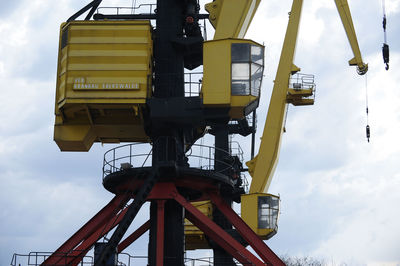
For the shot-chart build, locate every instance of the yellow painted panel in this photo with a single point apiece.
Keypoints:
(107, 47)
(103, 53)
(194, 238)
(231, 18)
(114, 28)
(74, 137)
(104, 76)
(109, 40)
(249, 214)
(97, 67)
(217, 72)
(217, 77)
(111, 80)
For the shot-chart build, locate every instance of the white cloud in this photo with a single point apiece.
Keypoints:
(339, 193)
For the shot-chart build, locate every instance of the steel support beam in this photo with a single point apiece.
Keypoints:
(96, 223)
(132, 237)
(221, 133)
(160, 232)
(217, 234)
(245, 231)
(139, 200)
(77, 255)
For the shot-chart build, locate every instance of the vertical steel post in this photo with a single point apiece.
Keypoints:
(160, 232)
(221, 257)
(168, 141)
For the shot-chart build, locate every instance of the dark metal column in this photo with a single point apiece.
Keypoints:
(168, 59)
(167, 139)
(221, 257)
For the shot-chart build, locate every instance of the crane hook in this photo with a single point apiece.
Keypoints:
(368, 131)
(385, 54)
(385, 47)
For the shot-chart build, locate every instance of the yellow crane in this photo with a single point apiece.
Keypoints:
(288, 89)
(231, 20)
(105, 80)
(284, 93)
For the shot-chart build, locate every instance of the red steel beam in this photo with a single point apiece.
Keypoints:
(160, 233)
(216, 233)
(80, 251)
(246, 232)
(98, 221)
(132, 237)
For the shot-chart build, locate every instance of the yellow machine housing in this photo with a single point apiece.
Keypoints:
(261, 212)
(233, 71)
(194, 237)
(103, 80)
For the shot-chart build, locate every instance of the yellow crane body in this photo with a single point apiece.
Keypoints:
(287, 90)
(231, 18)
(261, 213)
(194, 237)
(233, 70)
(345, 16)
(271, 139)
(103, 80)
(289, 87)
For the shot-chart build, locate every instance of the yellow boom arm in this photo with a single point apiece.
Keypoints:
(268, 154)
(345, 15)
(271, 139)
(231, 18)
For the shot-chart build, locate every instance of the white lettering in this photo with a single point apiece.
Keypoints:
(116, 86)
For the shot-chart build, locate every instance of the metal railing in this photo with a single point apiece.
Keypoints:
(37, 258)
(246, 183)
(193, 82)
(140, 155)
(250, 121)
(127, 156)
(203, 157)
(303, 82)
(205, 261)
(236, 150)
(129, 10)
(124, 259)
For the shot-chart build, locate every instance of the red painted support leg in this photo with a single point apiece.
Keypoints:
(245, 231)
(217, 234)
(132, 237)
(75, 257)
(160, 232)
(98, 221)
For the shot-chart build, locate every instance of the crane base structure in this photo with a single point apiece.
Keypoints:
(127, 185)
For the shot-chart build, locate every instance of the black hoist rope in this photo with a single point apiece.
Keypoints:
(367, 128)
(385, 47)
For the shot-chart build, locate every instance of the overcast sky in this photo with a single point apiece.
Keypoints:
(340, 195)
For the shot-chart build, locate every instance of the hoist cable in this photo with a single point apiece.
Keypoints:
(133, 7)
(385, 47)
(367, 129)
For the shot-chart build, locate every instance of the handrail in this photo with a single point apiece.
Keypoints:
(36, 258)
(129, 8)
(137, 155)
(193, 87)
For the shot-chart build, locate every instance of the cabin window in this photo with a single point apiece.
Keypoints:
(247, 68)
(268, 211)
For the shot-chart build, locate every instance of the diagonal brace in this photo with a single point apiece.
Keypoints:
(98, 221)
(246, 232)
(216, 233)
